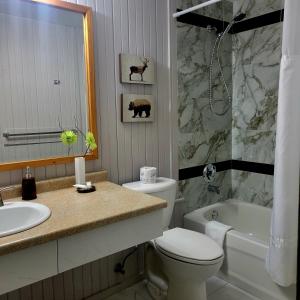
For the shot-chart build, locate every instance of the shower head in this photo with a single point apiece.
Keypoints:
(239, 17)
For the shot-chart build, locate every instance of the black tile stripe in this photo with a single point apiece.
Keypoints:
(202, 21)
(240, 165)
(198, 170)
(257, 22)
(248, 24)
(253, 167)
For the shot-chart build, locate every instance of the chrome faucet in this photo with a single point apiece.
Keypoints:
(2, 190)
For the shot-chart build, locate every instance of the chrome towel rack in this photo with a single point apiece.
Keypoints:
(8, 135)
(30, 144)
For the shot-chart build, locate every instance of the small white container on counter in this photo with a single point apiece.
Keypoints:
(80, 170)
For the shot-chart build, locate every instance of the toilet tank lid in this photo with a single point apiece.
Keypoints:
(161, 184)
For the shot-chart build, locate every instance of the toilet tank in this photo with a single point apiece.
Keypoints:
(164, 188)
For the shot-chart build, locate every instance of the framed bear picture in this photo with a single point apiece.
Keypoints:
(136, 69)
(137, 108)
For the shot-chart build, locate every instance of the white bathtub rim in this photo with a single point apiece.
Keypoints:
(198, 215)
(248, 248)
(234, 239)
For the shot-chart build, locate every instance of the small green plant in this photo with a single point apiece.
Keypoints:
(90, 142)
(69, 138)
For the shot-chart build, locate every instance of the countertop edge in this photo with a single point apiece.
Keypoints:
(52, 236)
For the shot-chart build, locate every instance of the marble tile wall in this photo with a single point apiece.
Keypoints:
(256, 63)
(247, 132)
(196, 194)
(203, 136)
(255, 75)
(254, 8)
(252, 187)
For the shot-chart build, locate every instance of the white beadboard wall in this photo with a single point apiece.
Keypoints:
(143, 27)
(139, 27)
(92, 281)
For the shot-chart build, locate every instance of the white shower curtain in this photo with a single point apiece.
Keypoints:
(281, 260)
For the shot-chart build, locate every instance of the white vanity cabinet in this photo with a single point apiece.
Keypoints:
(33, 264)
(84, 247)
(27, 266)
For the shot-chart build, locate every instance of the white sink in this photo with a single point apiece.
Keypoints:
(20, 216)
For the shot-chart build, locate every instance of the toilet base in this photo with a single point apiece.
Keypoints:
(186, 281)
(155, 292)
(176, 279)
(184, 291)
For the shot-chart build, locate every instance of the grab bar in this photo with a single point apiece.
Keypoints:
(31, 143)
(7, 135)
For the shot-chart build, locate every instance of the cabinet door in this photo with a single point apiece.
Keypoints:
(27, 266)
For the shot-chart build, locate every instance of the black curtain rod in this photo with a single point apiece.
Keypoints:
(248, 24)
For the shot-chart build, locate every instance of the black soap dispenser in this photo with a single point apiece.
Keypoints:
(28, 186)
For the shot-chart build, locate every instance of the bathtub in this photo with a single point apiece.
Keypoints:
(245, 246)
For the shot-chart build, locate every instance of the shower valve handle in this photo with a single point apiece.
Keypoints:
(209, 173)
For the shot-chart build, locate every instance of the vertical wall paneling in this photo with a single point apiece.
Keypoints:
(15, 295)
(36, 53)
(150, 30)
(136, 47)
(111, 148)
(81, 282)
(163, 79)
(58, 287)
(125, 167)
(120, 26)
(87, 280)
(37, 291)
(68, 285)
(173, 87)
(25, 293)
(78, 283)
(48, 289)
(95, 277)
(119, 7)
(128, 26)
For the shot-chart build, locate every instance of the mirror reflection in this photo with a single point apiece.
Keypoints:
(42, 80)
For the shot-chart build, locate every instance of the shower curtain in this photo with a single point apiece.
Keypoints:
(281, 261)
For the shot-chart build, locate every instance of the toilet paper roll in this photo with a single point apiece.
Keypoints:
(148, 174)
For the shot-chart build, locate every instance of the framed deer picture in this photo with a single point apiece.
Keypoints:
(136, 69)
(137, 108)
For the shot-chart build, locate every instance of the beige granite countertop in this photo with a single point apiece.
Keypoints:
(72, 212)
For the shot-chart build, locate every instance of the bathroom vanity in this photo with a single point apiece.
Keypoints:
(82, 228)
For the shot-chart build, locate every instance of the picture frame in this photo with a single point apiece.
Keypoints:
(137, 108)
(136, 69)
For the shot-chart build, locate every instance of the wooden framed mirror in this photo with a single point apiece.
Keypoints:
(47, 81)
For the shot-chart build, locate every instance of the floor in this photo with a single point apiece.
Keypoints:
(217, 289)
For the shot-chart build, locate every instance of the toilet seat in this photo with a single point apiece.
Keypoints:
(189, 247)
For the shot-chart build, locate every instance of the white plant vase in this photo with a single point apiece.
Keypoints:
(80, 170)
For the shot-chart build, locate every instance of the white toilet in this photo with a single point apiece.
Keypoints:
(179, 262)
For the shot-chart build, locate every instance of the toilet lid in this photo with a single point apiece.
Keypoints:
(189, 246)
